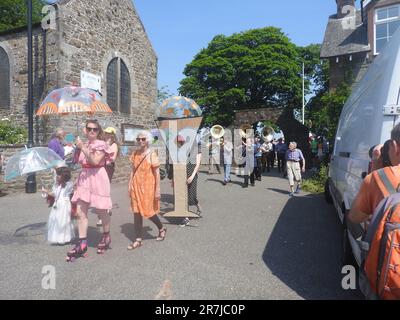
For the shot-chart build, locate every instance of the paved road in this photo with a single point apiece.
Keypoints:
(253, 243)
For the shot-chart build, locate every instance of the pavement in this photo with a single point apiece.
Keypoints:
(254, 243)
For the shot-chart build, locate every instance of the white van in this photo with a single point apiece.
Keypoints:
(367, 119)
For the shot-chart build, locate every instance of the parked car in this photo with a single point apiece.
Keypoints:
(367, 118)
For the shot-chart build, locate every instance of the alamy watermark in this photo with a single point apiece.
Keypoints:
(349, 281)
(50, 19)
(49, 279)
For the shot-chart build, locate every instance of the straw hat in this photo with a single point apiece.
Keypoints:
(110, 130)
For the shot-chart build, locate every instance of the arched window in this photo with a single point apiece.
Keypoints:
(4, 79)
(112, 84)
(118, 86)
(125, 85)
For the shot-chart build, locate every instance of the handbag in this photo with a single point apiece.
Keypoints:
(163, 173)
(50, 200)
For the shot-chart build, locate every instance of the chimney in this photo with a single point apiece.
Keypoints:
(342, 11)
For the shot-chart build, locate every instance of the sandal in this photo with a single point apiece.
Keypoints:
(161, 234)
(135, 245)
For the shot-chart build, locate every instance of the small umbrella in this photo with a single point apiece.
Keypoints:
(29, 161)
(73, 100)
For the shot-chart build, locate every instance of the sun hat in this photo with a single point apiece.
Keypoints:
(110, 130)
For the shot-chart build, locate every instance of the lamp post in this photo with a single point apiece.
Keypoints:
(303, 97)
(30, 184)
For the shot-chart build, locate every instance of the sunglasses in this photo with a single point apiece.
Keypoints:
(140, 139)
(92, 129)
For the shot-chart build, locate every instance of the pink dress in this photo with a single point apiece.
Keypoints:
(93, 185)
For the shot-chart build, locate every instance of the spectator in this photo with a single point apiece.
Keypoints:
(56, 143)
(293, 158)
(370, 194)
(227, 148)
(281, 149)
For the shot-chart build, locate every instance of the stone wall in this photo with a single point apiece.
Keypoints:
(92, 33)
(343, 69)
(89, 35)
(15, 45)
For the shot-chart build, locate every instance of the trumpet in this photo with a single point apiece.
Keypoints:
(244, 130)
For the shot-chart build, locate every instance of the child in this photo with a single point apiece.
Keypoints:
(60, 227)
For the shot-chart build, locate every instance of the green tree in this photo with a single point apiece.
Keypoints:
(13, 13)
(252, 69)
(163, 93)
(325, 110)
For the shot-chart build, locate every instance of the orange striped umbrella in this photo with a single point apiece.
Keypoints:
(73, 100)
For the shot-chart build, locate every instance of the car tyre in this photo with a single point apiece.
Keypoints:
(347, 252)
(327, 193)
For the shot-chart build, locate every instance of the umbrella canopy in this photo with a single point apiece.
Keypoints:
(73, 100)
(31, 160)
(178, 108)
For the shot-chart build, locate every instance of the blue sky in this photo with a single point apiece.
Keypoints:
(179, 29)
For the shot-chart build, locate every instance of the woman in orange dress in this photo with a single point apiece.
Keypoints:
(144, 188)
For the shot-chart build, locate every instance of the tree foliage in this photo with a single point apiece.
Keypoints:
(13, 13)
(325, 109)
(162, 94)
(254, 69)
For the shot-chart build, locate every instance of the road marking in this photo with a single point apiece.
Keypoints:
(165, 292)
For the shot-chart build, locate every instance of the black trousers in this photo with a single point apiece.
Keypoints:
(138, 219)
(281, 162)
(258, 167)
(270, 160)
(252, 179)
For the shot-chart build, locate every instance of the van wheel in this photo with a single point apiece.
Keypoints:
(327, 193)
(347, 252)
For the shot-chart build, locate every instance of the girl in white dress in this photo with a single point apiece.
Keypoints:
(60, 229)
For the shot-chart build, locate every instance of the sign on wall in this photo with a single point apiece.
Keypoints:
(90, 81)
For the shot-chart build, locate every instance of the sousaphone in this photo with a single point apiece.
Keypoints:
(268, 133)
(244, 133)
(217, 132)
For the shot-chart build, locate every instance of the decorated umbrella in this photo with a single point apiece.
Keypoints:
(29, 161)
(177, 118)
(73, 100)
(178, 108)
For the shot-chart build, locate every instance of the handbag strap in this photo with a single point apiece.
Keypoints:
(136, 169)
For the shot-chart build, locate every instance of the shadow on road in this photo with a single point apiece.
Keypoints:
(279, 191)
(304, 249)
(128, 230)
(31, 230)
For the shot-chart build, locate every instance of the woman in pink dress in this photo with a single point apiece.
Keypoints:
(92, 188)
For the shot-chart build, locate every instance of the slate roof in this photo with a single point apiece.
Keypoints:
(340, 41)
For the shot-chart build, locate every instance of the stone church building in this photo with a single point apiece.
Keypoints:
(104, 38)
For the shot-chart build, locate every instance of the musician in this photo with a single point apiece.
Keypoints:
(214, 153)
(268, 149)
(227, 156)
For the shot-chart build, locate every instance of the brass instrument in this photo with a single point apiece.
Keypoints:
(268, 134)
(244, 130)
(217, 132)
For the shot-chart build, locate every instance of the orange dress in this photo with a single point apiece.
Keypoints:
(144, 185)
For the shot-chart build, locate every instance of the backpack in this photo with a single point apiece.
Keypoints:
(380, 268)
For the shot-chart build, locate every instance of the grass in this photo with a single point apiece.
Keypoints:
(316, 184)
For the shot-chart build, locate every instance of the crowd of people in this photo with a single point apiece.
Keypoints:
(97, 157)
